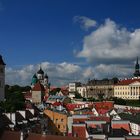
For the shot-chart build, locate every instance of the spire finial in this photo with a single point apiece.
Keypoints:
(137, 60)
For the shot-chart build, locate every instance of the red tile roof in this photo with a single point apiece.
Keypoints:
(71, 106)
(57, 104)
(128, 81)
(120, 125)
(100, 118)
(103, 107)
(80, 131)
(38, 87)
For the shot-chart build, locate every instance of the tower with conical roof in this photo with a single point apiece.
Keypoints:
(2, 78)
(137, 72)
(34, 80)
(40, 74)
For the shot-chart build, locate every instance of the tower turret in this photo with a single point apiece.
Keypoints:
(2, 78)
(137, 72)
(40, 74)
(34, 80)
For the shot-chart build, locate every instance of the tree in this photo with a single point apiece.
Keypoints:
(119, 101)
(14, 98)
(54, 91)
(78, 96)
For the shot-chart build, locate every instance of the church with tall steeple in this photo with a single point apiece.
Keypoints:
(39, 76)
(137, 72)
(40, 86)
(2, 79)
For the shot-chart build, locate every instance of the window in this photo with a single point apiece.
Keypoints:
(62, 120)
(56, 120)
(58, 126)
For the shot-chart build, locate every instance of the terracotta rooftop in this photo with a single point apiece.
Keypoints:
(38, 87)
(128, 81)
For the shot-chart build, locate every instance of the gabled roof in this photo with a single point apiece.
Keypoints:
(38, 87)
(57, 104)
(6, 120)
(121, 124)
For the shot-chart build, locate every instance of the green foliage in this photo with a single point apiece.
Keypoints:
(119, 101)
(54, 91)
(133, 102)
(84, 99)
(91, 99)
(14, 98)
(132, 117)
(78, 96)
(101, 96)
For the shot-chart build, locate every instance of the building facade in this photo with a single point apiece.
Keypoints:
(128, 89)
(41, 77)
(82, 90)
(58, 121)
(2, 79)
(104, 88)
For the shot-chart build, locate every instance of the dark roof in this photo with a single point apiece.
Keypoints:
(19, 117)
(10, 135)
(29, 115)
(34, 76)
(1, 61)
(33, 136)
(46, 76)
(40, 71)
(6, 121)
(133, 118)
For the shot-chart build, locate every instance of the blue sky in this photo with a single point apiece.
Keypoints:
(37, 31)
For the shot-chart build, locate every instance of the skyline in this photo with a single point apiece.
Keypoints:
(72, 40)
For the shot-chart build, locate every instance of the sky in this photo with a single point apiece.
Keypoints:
(72, 40)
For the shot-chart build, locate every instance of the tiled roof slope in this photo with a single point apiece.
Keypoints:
(127, 81)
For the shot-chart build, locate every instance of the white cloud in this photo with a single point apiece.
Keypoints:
(85, 22)
(59, 74)
(110, 42)
(88, 73)
(113, 70)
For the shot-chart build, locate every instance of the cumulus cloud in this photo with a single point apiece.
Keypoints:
(110, 43)
(85, 22)
(59, 74)
(113, 70)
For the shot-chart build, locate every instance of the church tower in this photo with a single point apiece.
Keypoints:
(40, 75)
(137, 72)
(2, 79)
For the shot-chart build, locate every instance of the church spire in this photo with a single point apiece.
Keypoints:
(137, 72)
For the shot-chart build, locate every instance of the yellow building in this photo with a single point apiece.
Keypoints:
(128, 89)
(58, 121)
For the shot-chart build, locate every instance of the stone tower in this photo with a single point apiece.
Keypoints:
(2, 79)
